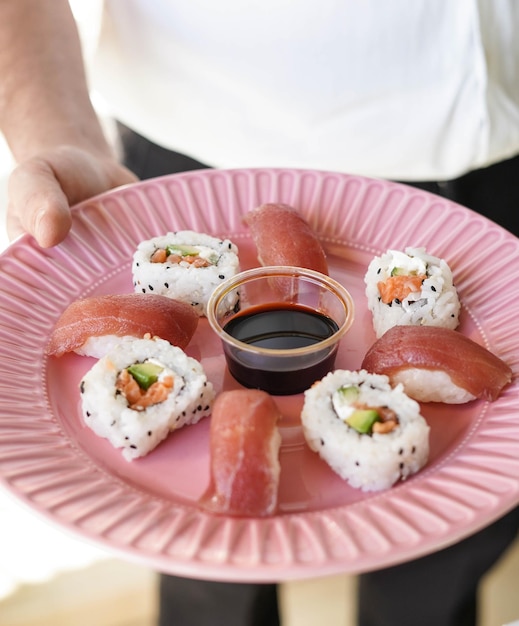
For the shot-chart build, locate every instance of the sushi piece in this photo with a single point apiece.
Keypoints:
(140, 392)
(368, 432)
(244, 448)
(92, 326)
(283, 237)
(437, 364)
(184, 265)
(411, 288)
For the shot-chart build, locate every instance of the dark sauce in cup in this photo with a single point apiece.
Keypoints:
(280, 326)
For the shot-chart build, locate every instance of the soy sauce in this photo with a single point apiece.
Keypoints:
(280, 327)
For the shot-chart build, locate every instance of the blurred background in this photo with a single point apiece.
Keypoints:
(49, 578)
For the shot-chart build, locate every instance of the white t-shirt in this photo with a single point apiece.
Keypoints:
(406, 89)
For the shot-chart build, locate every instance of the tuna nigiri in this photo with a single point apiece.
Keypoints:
(244, 450)
(437, 364)
(283, 237)
(91, 325)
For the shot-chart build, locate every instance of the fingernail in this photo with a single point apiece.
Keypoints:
(42, 228)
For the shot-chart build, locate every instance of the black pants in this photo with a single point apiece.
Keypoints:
(436, 590)
(492, 191)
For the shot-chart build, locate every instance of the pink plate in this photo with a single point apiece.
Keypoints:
(147, 510)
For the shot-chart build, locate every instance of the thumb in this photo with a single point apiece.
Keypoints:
(37, 204)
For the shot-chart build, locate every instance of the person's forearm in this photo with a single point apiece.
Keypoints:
(44, 98)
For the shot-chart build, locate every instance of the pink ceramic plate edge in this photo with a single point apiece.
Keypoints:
(55, 468)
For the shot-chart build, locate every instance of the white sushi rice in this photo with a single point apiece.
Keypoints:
(370, 462)
(428, 385)
(137, 432)
(98, 346)
(436, 304)
(183, 281)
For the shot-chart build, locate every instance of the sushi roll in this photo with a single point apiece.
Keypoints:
(184, 265)
(369, 433)
(141, 391)
(411, 288)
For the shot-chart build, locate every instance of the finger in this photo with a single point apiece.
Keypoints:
(37, 204)
(82, 174)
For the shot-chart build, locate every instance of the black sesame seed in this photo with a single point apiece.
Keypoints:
(357, 463)
(221, 276)
(126, 438)
(199, 407)
(134, 447)
(150, 287)
(82, 386)
(401, 466)
(433, 288)
(113, 423)
(166, 285)
(397, 301)
(206, 407)
(149, 433)
(401, 451)
(379, 270)
(413, 449)
(143, 290)
(322, 442)
(88, 413)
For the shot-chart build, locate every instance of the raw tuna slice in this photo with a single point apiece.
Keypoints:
(283, 237)
(437, 364)
(122, 315)
(244, 447)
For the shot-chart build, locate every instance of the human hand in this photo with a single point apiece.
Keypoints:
(42, 189)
